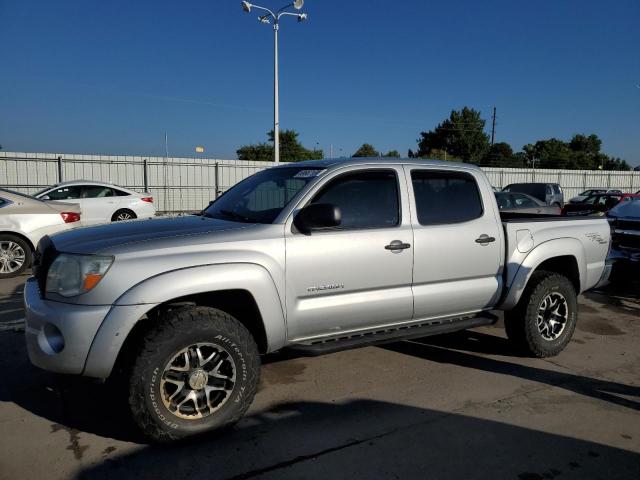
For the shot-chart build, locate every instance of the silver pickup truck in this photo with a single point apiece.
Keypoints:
(313, 256)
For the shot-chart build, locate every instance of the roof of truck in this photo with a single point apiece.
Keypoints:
(334, 162)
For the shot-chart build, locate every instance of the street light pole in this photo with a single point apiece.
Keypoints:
(276, 99)
(297, 4)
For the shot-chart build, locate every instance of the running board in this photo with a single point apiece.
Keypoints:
(404, 332)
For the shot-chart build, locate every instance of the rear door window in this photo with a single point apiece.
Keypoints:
(445, 197)
(97, 191)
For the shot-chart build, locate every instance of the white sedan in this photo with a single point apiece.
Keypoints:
(24, 220)
(101, 202)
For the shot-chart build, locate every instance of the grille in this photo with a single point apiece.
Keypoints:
(627, 241)
(43, 257)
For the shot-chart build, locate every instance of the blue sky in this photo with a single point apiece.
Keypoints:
(110, 77)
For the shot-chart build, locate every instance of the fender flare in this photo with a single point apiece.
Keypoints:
(560, 247)
(143, 297)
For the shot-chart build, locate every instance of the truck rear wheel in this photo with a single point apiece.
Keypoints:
(543, 322)
(197, 370)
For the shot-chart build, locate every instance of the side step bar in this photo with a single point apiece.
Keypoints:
(404, 332)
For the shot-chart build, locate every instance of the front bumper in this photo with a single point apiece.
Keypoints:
(59, 335)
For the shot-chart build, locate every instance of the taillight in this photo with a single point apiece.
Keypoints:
(147, 199)
(70, 217)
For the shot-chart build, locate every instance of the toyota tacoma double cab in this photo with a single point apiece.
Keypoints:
(314, 256)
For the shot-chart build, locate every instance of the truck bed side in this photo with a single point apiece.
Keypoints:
(576, 248)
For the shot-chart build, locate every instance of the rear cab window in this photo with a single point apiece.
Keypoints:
(444, 197)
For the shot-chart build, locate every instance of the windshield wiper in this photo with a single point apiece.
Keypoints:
(237, 216)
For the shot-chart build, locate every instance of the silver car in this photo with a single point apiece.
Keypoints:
(523, 203)
(24, 220)
(549, 193)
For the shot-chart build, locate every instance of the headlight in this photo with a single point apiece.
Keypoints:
(71, 275)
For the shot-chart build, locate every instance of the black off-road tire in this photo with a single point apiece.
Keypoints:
(176, 330)
(28, 254)
(521, 322)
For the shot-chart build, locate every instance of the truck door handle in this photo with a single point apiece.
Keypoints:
(484, 239)
(397, 245)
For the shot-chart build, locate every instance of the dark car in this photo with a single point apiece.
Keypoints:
(523, 203)
(597, 204)
(587, 193)
(549, 193)
(625, 235)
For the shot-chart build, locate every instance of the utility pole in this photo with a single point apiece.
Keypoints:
(493, 126)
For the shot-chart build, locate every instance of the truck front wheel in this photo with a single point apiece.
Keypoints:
(544, 320)
(196, 370)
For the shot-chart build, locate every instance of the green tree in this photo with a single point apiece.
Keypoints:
(500, 155)
(611, 163)
(459, 136)
(366, 150)
(393, 154)
(582, 152)
(291, 150)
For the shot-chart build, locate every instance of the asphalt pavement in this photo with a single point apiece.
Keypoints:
(460, 406)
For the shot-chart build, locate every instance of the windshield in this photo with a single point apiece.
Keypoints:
(40, 192)
(261, 197)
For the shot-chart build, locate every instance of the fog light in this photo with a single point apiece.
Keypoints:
(50, 339)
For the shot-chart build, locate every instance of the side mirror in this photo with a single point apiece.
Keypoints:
(45, 197)
(318, 215)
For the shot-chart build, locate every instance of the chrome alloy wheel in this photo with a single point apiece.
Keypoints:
(553, 314)
(198, 381)
(124, 216)
(12, 256)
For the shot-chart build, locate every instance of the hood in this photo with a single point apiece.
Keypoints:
(629, 210)
(104, 237)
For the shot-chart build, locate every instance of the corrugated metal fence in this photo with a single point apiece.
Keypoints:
(188, 184)
(572, 181)
(177, 184)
